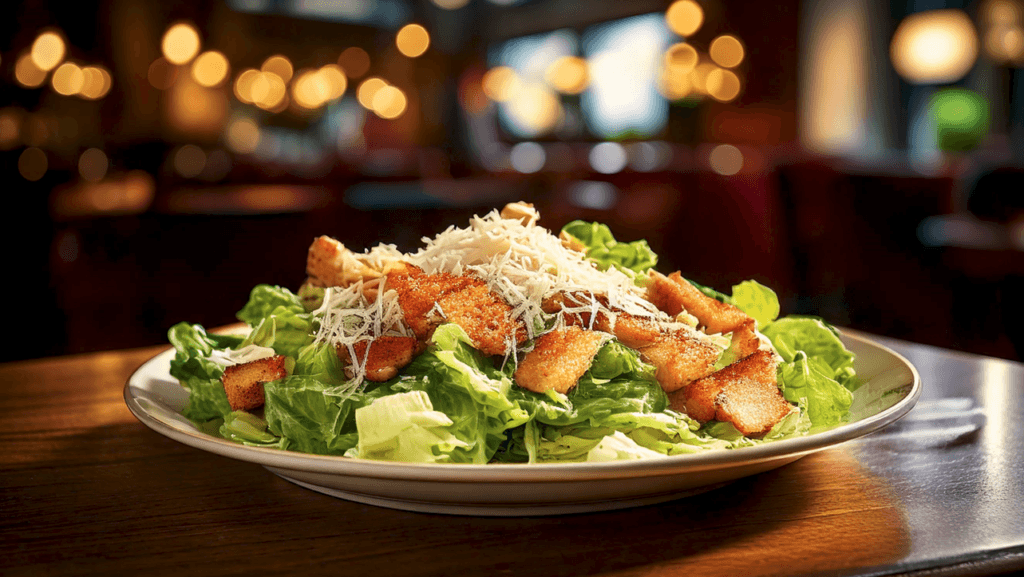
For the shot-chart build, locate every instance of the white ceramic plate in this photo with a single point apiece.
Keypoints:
(891, 388)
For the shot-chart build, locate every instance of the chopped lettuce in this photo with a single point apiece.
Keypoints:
(757, 300)
(404, 427)
(265, 299)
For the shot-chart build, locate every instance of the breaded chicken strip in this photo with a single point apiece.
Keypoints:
(484, 316)
(463, 300)
(679, 356)
(673, 294)
(559, 359)
(386, 356)
(746, 394)
(680, 359)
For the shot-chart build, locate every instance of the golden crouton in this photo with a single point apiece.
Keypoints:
(329, 263)
(522, 211)
(680, 359)
(559, 359)
(244, 382)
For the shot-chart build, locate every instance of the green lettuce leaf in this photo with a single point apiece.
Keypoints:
(602, 247)
(814, 337)
(283, 330)
(404, 427)
(757, 300)
(197, 373)
(264, 299)
(808, 381)
(315, 417)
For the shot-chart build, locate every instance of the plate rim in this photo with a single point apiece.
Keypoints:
(524, 472)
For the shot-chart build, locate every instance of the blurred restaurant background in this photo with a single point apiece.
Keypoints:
(862, 157)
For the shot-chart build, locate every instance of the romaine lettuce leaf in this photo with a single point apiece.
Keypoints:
(793, 334)
(404, 427)
(808, 381)
(602, 247)
(283, 330)
(757, 300)
(199, 375)
(315, 417)
(264, 299)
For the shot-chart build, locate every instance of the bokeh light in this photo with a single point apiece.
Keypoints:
(934, 47)
(93, 165)
(722, 85)
(243, 85)
(32, 164)
(527, 157)
(450, 4)
(354, 61)
(180, 43)
(389, 102)
(162, 74)
(367, 90)
(189, 161)
(97, 82)
(725, 159)
(242, 135)
(961, 119)
(280, 65)
(536, 107)
(68, 79)
(268, 91)
(726, 51)
(681, 57)
(501, 83)
(568, 75)
(27, 73)
(699, 76)
(10, 128)
(210, 69)
(48, 51)
(684, 17)
(608, 157)
(412, 40)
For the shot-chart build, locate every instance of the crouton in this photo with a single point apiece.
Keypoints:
(244, 382)
(559, 359)
(673, 294)
(386, 356)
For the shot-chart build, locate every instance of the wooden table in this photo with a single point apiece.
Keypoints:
(87, 489)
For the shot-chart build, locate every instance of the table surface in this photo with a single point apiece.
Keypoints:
(87, 489)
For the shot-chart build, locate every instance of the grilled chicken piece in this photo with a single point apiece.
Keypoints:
(632, 331)
(746, 394)
(559, 359)
(386, 356)
(243, 383)
(463, 300)
(674, 294)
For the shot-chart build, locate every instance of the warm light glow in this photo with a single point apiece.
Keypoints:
(934, 47)
(279, 65)
(536, 107)
(180, 43)
(48, 51)
(334, 77)
(68, 79)
(568, 75)
(699, 76)
(310, 89)
(242, 136)
(97, 83)
(389, 102)
(268, 90)
(27, 73)
(722, 85)
(1005, 12)
(189, 161)
(32, 164)
(93, 165)
(162, 74)
(355, 62)
(501, 83)
(412, 40)
(196, 110)
(243, 85)
(1005, 43)
(210, 69)
(673, 85)
(684, 17)
(726, 159)
(681, 58)
(726, 51)
(10, 128)
(367, 90)
(450, 4)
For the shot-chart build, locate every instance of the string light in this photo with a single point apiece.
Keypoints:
(48, 51)
(210, 69)
(280, 65)
(684, 17)
(180, 43)
(726, 51)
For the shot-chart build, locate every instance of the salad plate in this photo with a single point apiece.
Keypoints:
(891, 387)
